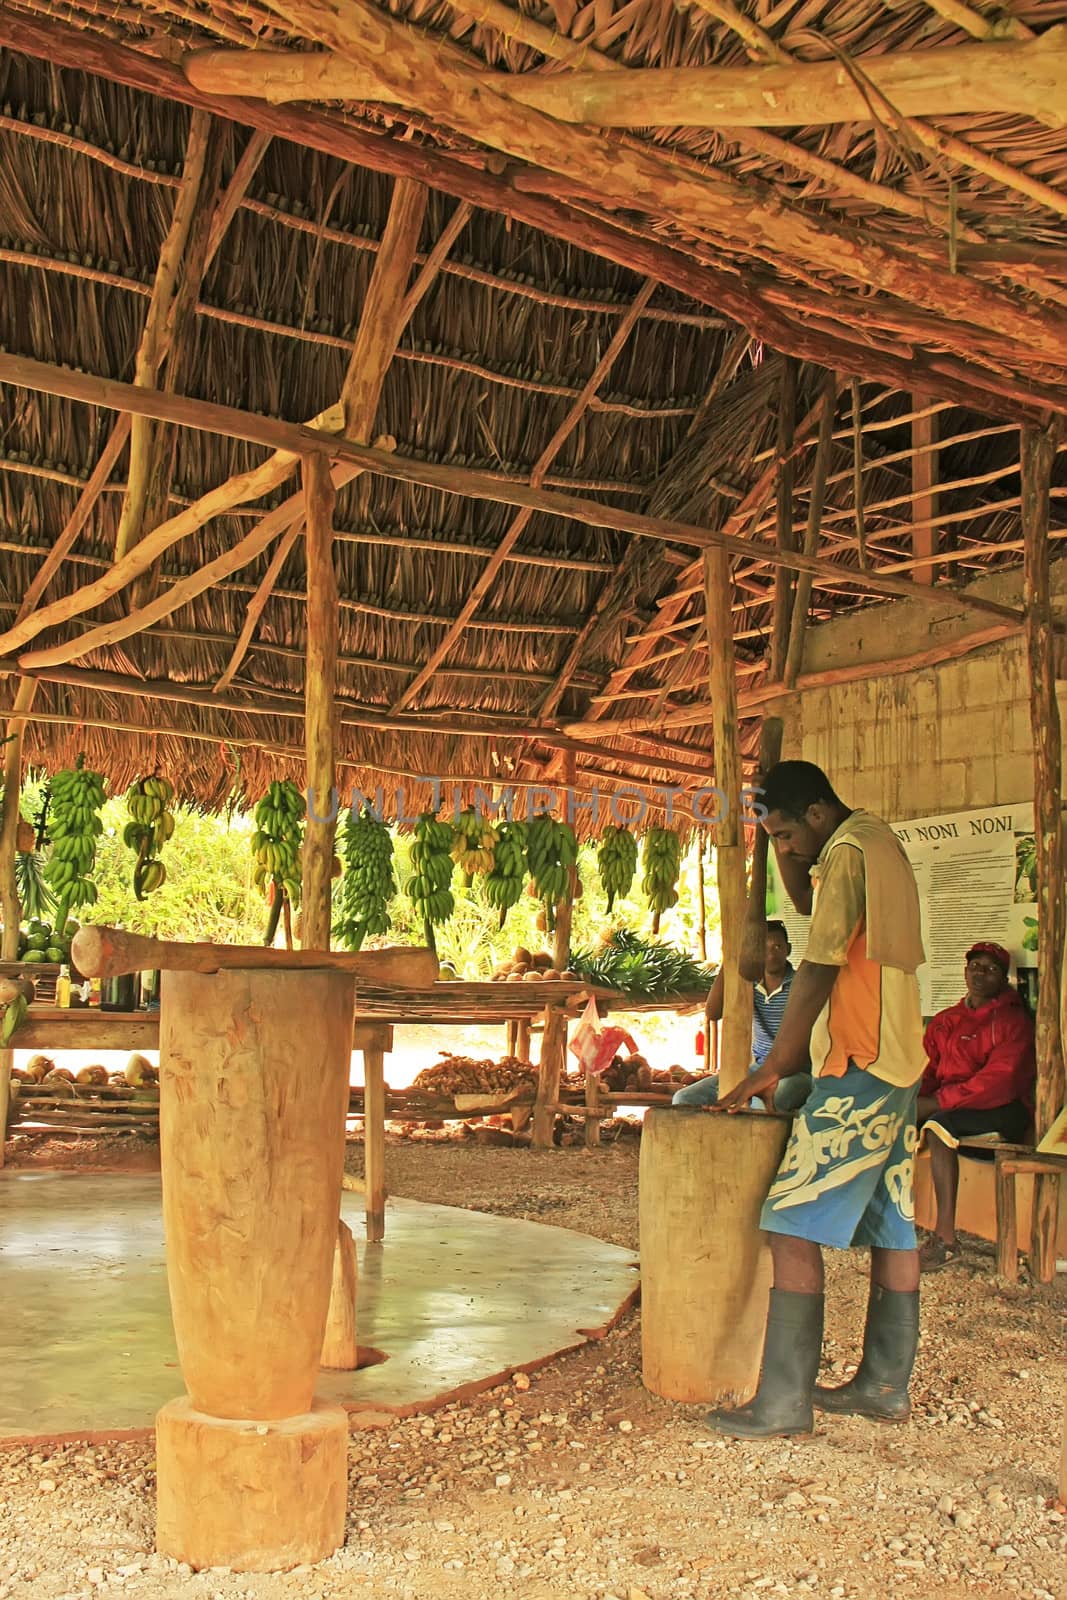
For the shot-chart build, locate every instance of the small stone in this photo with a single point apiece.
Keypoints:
(1006, 1552)
(521, 1380)
(502, 1480)
(794, 1499)
(47, 1486)
(626, 1426)
(95, 1576)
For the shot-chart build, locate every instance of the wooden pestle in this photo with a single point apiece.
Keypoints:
(107, 952)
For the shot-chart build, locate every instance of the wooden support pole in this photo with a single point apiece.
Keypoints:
(374, 1142)
(924, 503)
(561, 944)
(1038, 452)
(784, 537)
(320, 717)
(9, 894)
(736, 1037)
(550, 1071)
(1007, 1221)
(1037, 457)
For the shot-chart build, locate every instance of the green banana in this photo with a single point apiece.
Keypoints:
(368, 884)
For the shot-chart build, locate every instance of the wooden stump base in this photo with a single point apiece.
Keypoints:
(253, 1496)
(705, 1265)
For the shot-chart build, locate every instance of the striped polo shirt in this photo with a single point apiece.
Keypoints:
(767, 1013)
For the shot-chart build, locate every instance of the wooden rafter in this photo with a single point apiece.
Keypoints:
(744, 301)
(290, 441)
(381, 323)
(1018, 77)
(518, 524)
(924, 463)
(406, 63)
(153, 346)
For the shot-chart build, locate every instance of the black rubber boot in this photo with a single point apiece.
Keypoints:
(890, 1340)
(791, 1349)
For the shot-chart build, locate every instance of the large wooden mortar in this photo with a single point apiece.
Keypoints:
(705, 1265)
(254, 1069)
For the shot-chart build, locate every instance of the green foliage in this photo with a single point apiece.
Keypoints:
(35, 897)
(208, 893)
(645, 969)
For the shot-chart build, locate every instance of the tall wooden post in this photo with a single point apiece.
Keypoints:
(735, 1048)
(9, 894)
(320, 716)
(784, 535)
(554, 1037)
(1037, 456)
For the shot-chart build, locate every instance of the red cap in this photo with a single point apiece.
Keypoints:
(986, 947)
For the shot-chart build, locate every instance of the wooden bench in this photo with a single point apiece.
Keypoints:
(1010, 1161)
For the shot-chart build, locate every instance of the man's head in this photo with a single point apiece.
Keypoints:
(776, 951)
(986, 971)
(802, 809)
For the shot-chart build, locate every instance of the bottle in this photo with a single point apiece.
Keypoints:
(63, 987)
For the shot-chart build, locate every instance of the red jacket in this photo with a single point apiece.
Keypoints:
(981, 1059)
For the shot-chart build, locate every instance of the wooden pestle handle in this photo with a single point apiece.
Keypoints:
(750, 962)
(107, 952)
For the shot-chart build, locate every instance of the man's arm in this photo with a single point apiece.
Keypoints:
(713, 1004)
(796, 876)
(790, 1050)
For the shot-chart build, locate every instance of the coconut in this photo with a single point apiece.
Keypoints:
(550, 972)
(38, 1067)
(520, 956)
(532, 976)
(542, 959)
(95, 1074)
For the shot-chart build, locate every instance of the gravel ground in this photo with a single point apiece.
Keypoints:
(576, 1482)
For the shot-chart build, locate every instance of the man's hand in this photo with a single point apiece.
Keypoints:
(761, 1084)
(926, 1106)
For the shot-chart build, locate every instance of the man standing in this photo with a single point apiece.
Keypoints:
(979, 1079)
(768, 1008)
(846, 1177)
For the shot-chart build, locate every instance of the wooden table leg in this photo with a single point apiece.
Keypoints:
(1044, 1220)
(513, 1029)
(522, 1039)
(340, 1350)
(592, 1110)
(553, 1050)
(374, 1141)
(1007, 1227)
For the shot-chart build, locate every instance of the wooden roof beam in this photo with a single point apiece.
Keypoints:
(290, 440)
(518, 524)
(381, 323)
(152, 350)
(1021, 78)
(968, 384)
(407, 64)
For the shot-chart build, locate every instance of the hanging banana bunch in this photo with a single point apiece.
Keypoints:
(150, 826)
(662, 859)
(76, 796)
(551, 850)
(503, 886)
(617, 861)
(473, 842)
(431, 856)
(276, 843)
(368, 884)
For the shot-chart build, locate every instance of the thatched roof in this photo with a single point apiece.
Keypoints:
(581, 623)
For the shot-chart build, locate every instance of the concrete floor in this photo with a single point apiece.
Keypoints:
(453, 1298)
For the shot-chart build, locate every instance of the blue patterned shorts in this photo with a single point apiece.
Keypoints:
(846, 1176)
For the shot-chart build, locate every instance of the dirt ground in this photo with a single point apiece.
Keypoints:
(582, 1484)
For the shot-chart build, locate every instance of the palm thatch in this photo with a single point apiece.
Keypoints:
(580, 623)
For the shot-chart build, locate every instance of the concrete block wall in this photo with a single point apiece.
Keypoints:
(948, 738)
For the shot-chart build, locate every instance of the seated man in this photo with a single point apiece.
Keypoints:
(979, 1079)
(768, 1007)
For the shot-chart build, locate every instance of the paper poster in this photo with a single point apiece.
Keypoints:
(977, 878)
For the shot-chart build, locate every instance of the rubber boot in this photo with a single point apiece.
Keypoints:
(890, 1340)
(791, 1349)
